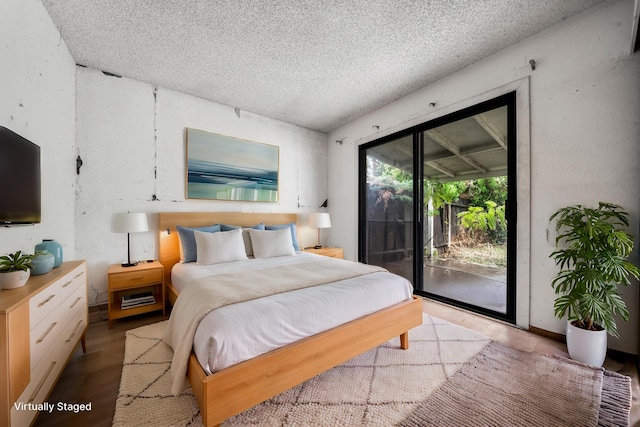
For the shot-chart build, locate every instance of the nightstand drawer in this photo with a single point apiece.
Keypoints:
(146, 277)
(135, 278)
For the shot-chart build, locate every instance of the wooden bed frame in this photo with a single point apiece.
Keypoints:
(228, 392)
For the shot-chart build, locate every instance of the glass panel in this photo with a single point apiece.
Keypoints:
(465, 193)
(388, 196)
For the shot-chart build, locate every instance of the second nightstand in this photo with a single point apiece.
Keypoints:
(135, 290)
(326, 251)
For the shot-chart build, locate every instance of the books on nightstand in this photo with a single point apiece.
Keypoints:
(137, 300)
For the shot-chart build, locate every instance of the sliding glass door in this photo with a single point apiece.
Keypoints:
(435, 207)
(387, 205)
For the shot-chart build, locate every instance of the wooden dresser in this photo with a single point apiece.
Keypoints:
(40, 326)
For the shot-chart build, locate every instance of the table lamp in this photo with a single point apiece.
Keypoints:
(129, 223)
(319, 220)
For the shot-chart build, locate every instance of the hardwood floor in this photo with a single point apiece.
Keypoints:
(94, 377)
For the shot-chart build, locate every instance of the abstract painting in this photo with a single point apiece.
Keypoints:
(221, 167)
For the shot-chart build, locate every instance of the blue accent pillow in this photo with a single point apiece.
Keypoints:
(188, 240)
(292, 227)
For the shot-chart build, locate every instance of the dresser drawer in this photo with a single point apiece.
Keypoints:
(72, 332)
(72, 306)
(73, 281)
(32, 322)
(44, 336)
(135, 278)
(44, 303)
(42, 378)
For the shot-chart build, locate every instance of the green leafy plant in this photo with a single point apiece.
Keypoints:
(15, 262)
(442, 193)
(477, 218)
(592, 265)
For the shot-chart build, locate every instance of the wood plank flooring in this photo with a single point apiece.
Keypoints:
(95, 376)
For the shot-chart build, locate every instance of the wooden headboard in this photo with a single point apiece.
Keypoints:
(169, 244)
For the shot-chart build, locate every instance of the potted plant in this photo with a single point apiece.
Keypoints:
(592, 264)
(15, 270)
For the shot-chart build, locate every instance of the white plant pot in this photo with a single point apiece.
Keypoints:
(588, 347)
(14, 279)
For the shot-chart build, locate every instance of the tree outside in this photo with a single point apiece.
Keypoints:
(470, 214)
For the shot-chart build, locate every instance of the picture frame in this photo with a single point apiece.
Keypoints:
(221, 167)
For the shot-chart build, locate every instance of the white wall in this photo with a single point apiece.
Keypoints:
(584, 136)
(37, 101)
(131, 138)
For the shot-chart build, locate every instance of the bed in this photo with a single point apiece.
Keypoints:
(230, 390)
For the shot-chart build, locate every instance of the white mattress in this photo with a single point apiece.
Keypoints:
(238, 332)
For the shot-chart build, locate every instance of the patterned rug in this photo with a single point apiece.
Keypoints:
(382, 387)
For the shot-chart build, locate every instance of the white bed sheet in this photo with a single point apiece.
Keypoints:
(238, 332)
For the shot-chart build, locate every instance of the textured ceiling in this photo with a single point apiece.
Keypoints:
(314, 63)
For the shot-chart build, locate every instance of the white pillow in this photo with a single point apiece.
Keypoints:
(224, 246)
(271, 243)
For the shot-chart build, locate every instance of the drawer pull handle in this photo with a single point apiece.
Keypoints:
(42, 381)
(67, 284)
(78, 275)
(75, 302)
(47, 300)
(74, 331)
(53, 325)
(136, 278)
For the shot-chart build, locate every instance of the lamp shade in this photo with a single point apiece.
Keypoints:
(320, 220)
(129, 222)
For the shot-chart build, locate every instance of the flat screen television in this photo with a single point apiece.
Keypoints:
(19, 179)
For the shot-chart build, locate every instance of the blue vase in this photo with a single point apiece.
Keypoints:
(52, 247)
(42, 263)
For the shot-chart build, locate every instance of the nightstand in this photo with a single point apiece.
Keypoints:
(326, 251)
(135, 290)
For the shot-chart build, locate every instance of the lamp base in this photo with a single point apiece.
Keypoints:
(129, 264)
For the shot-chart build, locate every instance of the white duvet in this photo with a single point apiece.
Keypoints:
(238, 332)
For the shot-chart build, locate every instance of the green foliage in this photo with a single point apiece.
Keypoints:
(594, 262)
(15, 262)
(443, 193)
(377, 169)
(481, 190)
(487, 196)
(389, 182)
(478, 218)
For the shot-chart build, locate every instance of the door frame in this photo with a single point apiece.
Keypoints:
(522, 205)
(508, 100)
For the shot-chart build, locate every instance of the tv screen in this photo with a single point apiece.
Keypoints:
(19, 179)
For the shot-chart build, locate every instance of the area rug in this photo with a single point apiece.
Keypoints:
(432, 383)
(502, 386)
